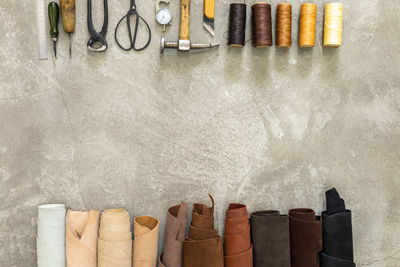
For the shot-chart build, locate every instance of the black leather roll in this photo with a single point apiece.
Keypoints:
(337, 233)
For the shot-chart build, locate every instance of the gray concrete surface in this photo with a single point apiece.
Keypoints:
(270, 128)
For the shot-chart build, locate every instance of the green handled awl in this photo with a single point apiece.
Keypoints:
(54, 15)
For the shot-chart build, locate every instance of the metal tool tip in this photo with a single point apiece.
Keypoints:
(214, 44)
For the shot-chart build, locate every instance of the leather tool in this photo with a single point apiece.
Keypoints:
(97, 37)
(132, 38)
(337, 233)
(68, 19)
(209, 15)
(184, 43)
(237, 246)
(270, 238)
(175, 232)
(41, 29)
(305, 237)
(54, 16)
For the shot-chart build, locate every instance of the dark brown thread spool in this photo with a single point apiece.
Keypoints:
(284, 25)
(262, 24)
(237, 25)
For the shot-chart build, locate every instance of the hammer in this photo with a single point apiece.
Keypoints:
(184, 43)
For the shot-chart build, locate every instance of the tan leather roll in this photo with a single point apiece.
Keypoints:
(81, 238)
(175, 232)
(115, 239)
(145, 243)
(203, 246)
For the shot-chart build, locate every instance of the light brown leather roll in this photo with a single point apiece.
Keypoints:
(203, 246)
(175, 232)
(115, 239)
(145, 243)
(81, 238)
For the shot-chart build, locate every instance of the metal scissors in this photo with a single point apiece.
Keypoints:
(132, 12)
(97, 37)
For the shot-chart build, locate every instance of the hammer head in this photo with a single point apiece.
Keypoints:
(183, 45)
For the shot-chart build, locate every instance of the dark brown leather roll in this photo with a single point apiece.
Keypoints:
(237, 245)
(270, 238)
(175, 232)
(305, 237)
(203, 246)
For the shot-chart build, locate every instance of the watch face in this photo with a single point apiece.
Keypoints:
(164, 16)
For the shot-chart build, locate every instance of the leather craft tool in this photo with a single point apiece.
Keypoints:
(68, 19)
(184, 43)
(41, 29)
(209, 15)
(163, 15)
(97, 37)
(54, 15)
(132, 12)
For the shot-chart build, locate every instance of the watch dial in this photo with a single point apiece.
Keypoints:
(164, 16)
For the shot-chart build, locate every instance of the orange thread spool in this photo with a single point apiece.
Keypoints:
(308, 20)
(284, 25)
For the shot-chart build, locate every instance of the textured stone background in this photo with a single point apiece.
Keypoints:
(270, 128)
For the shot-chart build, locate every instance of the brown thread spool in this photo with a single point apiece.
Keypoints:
(237, 25)
(308, 21)
(284, 25)
(262, 24)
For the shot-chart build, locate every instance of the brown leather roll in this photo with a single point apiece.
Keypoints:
(145, 243)
(270, 237)
(237, 245)
(305, 237)
(175, 231)
(203, 246)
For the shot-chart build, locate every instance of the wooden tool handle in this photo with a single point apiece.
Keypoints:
(184, 30)
(68, 15)
(209, 9)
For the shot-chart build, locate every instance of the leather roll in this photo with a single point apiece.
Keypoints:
(145, 243)
(81, 238)
(337, 233)
(271, 240)
(175, 232)
(237, 245)
(305, 237)
(115, 239)
(203, 246)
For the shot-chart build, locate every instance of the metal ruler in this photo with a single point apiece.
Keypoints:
(41, 29)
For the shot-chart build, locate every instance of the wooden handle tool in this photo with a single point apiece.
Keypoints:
(68, 15)
(184, 31)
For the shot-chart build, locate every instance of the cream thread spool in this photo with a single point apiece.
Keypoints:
(333, 26)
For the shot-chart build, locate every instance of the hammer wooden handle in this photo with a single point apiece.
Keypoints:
(184, 30)
(68, 15)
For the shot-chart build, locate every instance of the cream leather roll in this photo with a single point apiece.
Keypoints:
(145, 244)
(81, 238)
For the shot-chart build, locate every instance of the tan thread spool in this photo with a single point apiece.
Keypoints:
(308, 21)
(284, 25)
(333, 26)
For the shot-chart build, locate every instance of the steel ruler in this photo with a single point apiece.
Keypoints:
(41, 29)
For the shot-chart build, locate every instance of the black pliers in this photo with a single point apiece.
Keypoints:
(97, 37)
(132, 12)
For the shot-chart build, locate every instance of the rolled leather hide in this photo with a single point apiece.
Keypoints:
(81, 238)
(203, 246)
(115, 239)
(270, 237)
(305, 237)
(175, 232)
(237, 245)
(337, 233)
(145, 243)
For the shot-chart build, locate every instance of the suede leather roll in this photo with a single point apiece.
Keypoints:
(237, 245)
(203, 246)
(145, 244)
(175, 232)
(337, 233)
(81, 238)
(271, 240)
(305, 237)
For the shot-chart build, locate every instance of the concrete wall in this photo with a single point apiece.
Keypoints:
(270, 128)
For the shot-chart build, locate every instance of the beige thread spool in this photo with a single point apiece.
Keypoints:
(308, 21)
(333, 26)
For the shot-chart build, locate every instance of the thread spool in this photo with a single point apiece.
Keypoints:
(308, 21)
(333, 25)
(237, 25)
(284, 25)
(262, 24)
